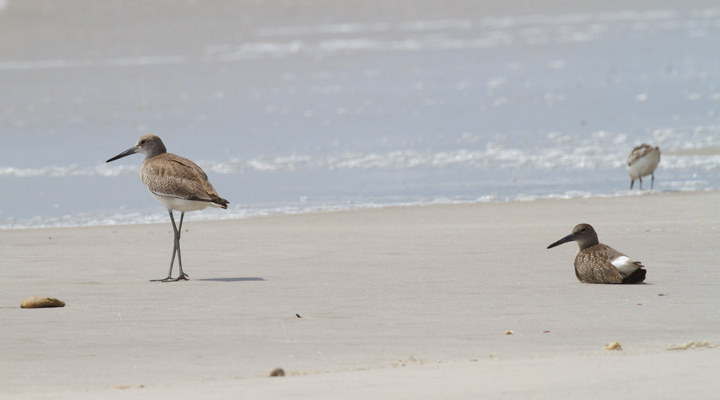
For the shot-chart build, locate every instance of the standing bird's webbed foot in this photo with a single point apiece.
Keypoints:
(168, 279)
(182, 277)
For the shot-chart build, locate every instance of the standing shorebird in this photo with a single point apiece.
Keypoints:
(642, 161)
(177, 183)
(599, 263)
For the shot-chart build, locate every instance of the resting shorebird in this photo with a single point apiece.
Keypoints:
(177, 183)
(599, 263)
(642, 161)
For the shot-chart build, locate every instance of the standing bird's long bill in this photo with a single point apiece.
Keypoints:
(568, 238)
(125, 153)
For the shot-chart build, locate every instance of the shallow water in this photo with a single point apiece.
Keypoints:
(295, 108)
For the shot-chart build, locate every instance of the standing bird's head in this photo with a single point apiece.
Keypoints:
(149, 145)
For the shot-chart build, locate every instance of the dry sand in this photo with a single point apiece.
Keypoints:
(400, 302)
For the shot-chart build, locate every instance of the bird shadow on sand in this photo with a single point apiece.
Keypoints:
(231, 279)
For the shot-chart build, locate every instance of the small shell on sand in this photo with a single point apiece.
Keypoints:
(277, 372)
(613, 346)
(41, 302)
(508, 332)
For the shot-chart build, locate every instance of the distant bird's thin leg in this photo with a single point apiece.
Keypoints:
(176, 249)
(182, 276)
(652, 182)
(632, 182)
(640, 183)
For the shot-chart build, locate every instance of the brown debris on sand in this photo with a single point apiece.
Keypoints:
(41, 302)
(277, 372)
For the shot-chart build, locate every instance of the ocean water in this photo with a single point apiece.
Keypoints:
(314, 106)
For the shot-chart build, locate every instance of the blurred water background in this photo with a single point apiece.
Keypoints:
(313, 105)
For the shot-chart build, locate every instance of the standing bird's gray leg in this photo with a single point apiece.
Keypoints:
(176, 249)
(652, 182)
(640, 183)
(182, 276)
(632, 182)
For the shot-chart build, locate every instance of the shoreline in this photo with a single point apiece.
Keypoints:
(248, 212)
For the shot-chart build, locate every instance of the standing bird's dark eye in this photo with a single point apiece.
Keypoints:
(142, 142)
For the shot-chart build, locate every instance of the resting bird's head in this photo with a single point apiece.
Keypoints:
(583, 234)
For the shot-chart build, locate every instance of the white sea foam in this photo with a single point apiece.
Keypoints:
(109, 62)
(71, 170)
(485, 23)
(608, 151)
(329, 39)
(492, 157)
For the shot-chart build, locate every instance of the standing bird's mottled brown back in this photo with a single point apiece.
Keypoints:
(174, 176)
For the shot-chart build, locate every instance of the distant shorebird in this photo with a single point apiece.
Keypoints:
(642, 161)
(598, 263)
(177, 183)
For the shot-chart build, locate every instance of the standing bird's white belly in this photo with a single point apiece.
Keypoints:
(645, 165)
(178, 204)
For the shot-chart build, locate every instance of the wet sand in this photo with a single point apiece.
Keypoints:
(397, 302)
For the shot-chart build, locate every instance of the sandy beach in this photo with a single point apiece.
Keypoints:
(314, 105)
(396, 302)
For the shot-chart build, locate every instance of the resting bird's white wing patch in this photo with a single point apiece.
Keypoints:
(625, 265)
